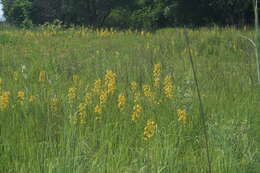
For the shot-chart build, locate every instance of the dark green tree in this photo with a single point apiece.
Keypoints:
(232, 12)
(84, 12)
(18, 11)
(148, 14)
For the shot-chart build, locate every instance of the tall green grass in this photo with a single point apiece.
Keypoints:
(201, 106)
(34, 138)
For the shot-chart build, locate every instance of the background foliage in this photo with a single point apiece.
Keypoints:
(148, 14)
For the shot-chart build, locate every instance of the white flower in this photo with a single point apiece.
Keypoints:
(23, 67)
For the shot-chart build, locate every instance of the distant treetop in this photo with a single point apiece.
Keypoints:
(138, 14)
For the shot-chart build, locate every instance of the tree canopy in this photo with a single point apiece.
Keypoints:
(149, 14)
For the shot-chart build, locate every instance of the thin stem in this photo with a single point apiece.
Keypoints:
(202, 113)
(251, 41)
(257, 40)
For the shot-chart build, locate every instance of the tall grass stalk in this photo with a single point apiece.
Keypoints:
(202, 113)
(257, 39)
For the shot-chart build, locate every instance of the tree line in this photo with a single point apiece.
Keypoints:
(137, 14)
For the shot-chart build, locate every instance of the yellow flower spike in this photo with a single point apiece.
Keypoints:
(137, 97)
(137, 108)
(149, 129)
(136, 113)
(98, 109)
(147, 92)
(168, 87)
(133, 86)
(97, 86)
(21, 96)
(182, 115)
(72, 94)
(121, 101)
(4, 100)
(110, 81)
(156, 75)
(82, 113)
(82, 108)
(88, 98)
(103, 97)
(157, 82)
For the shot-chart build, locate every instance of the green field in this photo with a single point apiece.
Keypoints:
(80, 100)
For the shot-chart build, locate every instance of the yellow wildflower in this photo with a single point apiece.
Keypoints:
(82, 113)
(42, 76)
(21, 96)
(133, 86)
(97, 86)
(147, 92)
(72, 94)
(136, 114)
(98, 109)
(82, 109)
(110, 81)
(88, 98)
(182, 115)
(137, 97)
(4, 100)
(103, 97)
(121, 101)
(157, 82)
(168, 87)
(149, 129)
(156, 75)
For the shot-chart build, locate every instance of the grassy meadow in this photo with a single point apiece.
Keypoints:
(102, 101)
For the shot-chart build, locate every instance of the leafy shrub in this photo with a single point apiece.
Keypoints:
(18, 12)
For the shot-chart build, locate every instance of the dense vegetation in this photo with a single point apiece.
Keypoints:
(148, 14)
(81, 100)
(78, 95)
